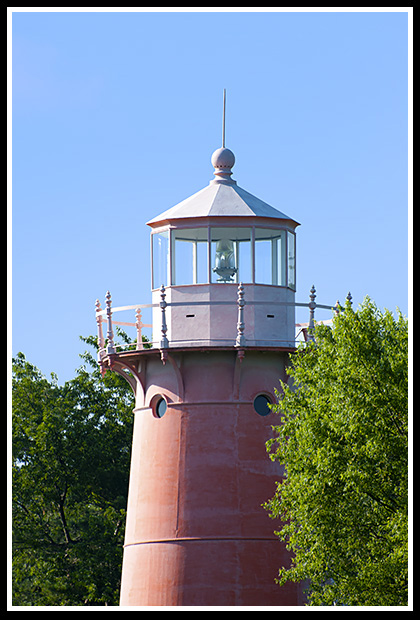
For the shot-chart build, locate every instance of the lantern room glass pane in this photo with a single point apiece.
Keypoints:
(189, 256)
(160, 259)
(291, 260)
(270, 256)
(231, 258)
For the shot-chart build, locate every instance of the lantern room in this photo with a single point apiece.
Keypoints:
(209, 243)
(224, 255)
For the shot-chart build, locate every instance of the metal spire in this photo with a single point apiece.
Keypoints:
(224, 118)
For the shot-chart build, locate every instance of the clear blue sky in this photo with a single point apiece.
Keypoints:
(115, 116)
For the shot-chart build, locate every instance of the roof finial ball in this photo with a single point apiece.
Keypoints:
(223, 161)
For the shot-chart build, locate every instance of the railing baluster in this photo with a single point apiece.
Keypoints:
(312, 306)
(139, 325)
(110, 334)
(164, 344)
(337, 308)
(101, 341)
(240, 338)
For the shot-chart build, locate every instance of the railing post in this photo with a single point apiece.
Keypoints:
(110, 334)
(164, 344)
(139, 326)
(312, 306)
(240, 338)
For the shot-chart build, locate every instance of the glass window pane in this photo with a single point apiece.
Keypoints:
(160, 258)
(183, 262)
(291, 271)
(161, 408)
(263, 272)
(281, 259)
(231, 255)
(270, 256)
(190, 256)
(244, 259)
(202, 261)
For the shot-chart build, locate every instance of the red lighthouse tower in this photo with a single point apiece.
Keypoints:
(223, 295)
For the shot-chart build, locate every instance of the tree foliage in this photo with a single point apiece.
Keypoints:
(343, 442)
(71, 461)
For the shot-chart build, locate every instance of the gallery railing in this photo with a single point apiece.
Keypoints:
(108, 346)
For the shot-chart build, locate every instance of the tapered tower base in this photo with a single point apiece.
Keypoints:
(197, 534)
(206, 572)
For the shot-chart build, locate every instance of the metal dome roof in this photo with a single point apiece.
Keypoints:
(221, 198)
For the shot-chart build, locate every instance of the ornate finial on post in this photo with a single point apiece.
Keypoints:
(240, 338)
(164, 344)
(110, 334)
(312, 306)
(139, 325)
(349, 299)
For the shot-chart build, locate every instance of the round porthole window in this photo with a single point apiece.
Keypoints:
(159, 406)
(261, 404)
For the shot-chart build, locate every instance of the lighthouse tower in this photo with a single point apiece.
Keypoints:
(223, 294)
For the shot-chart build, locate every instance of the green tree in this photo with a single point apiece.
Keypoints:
(343, 442)
(71, 461)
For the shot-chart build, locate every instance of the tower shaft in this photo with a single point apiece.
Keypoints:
(196, 532)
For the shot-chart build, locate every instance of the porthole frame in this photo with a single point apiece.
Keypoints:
(269, 401)
(157, 402)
